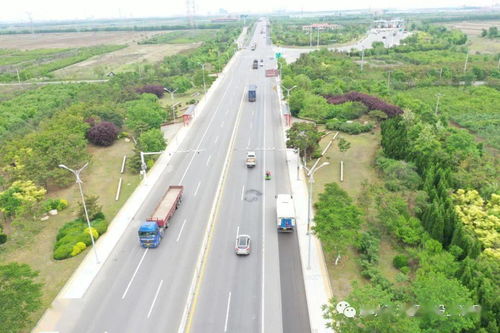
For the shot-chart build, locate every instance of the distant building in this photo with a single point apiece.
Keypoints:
(388, 24)
(319, 26)
(225, 19)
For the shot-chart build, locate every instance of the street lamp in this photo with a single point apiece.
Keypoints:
(204, 85)
(143, 163)
(288, 90)
(438, 95)
(311, 173)
(171, 92)
(80, 182)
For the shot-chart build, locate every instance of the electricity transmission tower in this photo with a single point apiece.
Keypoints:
(190, 12)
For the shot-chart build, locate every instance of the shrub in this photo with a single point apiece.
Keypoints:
(94, 232)
(372, 102)
(100, 225)
(77, 248)
(348, 110)
(152, 89)
(400, 261)
(3, 238)
(93, 208)
(405, 269)
(58, 204)
(63, 252)
(63, 204)
(103, 134)
(351, 128)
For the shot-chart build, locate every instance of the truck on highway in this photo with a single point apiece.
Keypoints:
(255, 64)
(251, 159)
(252, 93)
(285, 212)
(152, 230)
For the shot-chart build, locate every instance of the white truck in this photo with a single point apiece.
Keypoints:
(285, 212)
(251, 160)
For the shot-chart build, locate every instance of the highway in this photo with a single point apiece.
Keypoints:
(263, 292)
(139, 290)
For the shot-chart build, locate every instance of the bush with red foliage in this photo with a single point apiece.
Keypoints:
(151, 89)
(103, 134)
(373, 103)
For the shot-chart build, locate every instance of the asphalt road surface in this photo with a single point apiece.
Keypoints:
(139, 290)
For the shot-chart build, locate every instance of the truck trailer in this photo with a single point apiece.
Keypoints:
(152, 230)
(285, 212)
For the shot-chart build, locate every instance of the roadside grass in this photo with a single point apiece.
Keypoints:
(358, 171)
(35, 247)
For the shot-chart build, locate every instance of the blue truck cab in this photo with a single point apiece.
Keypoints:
(150, 234)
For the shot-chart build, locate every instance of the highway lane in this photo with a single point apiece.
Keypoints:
(263, 292)
(145, 290)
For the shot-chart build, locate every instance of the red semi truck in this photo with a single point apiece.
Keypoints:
(151, 232)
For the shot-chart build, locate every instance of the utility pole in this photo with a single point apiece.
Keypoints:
(310, 38)
(362, 57)
(437, 103)
(318, 39)
(466, 60)
(389, 80)
(441, 73)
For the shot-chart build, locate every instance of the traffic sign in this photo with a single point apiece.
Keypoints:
(277, 55)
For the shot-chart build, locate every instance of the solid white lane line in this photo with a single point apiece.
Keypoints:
(227, 311)
(209, 157)
(216, 139)
(251, 125)
(242, 192)
(154, 300)
(180, 232)
(248, 144)
(222, 124)
(237, 231)
(262, 296)
(197, 188)
(133, 276)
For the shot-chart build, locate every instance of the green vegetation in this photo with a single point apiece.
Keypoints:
(45, 127)
(181, 37)
(20, 296)
(40, 63)
(435, 202)
(290, 32)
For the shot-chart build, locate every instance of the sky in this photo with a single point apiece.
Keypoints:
(41, 10)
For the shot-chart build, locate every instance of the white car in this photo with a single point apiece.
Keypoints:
(243, 245)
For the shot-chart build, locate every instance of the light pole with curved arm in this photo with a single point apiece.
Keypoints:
(80, 182)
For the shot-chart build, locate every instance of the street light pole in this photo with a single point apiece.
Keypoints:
(288, 90)
(143, 163)
(437, 103)
(204, 85)
(80, 182)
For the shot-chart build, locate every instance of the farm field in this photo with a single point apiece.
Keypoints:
(72, 39)
(121, 60)
(473, 31)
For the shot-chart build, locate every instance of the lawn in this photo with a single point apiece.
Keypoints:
(33, 245)
(358, 171)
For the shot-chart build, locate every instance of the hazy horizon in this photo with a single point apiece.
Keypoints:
(59, 10)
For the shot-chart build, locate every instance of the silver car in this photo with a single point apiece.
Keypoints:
(243, 245)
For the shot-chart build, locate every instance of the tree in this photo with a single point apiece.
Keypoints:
(20, 295)
(428, 289)
(94, 210)
(20, 197)
(337, 220)
(376, 311)
(492, 32)
(152, 89)
(144, 113)
(151, 140)
(103, 134)
(344, 145)
(304, 136)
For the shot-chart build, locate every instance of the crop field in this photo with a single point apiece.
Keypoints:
(121, 60)
(72, 40)
(181, 37)
(473, 31)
